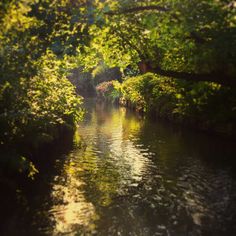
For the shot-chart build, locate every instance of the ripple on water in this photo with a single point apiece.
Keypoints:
(125, 182)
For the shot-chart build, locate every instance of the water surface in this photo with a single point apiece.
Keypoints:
(127, 175)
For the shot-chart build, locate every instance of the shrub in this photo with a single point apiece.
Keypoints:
(202, 102)
(148, 92)
(109, 91)
(31, 109)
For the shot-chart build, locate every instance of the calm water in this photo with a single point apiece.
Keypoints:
(126, 175)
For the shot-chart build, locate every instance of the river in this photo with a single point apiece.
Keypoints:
(130, 175)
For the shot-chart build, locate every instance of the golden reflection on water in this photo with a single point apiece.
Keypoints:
(107, 162)
(71, 209)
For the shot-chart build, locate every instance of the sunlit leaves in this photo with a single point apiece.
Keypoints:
(17, 18)
(202, 102)
(35, 95)
(43, 102)
(194, 36)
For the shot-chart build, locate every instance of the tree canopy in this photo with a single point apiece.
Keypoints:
(192, 40)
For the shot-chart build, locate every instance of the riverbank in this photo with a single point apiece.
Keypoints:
(205, 106)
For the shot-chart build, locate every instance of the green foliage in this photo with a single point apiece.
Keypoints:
(150, 92)
(131, 90)
(35, 106)
(109, 90)
(103, 73)
(38, 41)
(188, 36)
(204, 103)
(193, 36)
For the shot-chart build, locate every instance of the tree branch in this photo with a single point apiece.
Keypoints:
(137, 9)
(218, 78)
(213, 77)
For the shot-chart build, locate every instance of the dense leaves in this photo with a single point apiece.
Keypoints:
(38, 41)
(205, 105)
(195, 37)
(190, 45)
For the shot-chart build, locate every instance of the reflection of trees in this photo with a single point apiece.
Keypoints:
(105, 167)
(100, 176)
(104, 180)
(128, 175)
(89, 180)
(175, 145)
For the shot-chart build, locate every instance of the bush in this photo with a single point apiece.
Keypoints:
(149, 92)
(203, 103)
(32, 109)
(109, 91)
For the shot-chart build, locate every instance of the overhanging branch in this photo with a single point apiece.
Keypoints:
(218, 78)
(137, 9)
(213, 77)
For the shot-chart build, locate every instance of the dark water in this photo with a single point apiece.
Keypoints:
(130, 176)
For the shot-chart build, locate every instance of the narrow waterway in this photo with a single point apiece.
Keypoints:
(127, 175)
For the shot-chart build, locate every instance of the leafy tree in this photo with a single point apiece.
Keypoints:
(192, 40)
(38, 43)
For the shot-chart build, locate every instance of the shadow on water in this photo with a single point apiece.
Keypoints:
(24, 201)
(131, 176)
